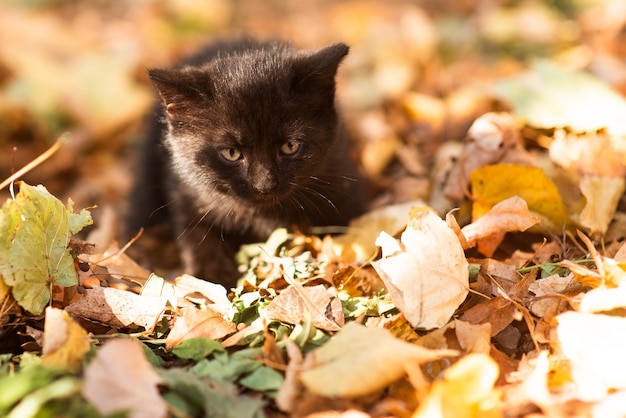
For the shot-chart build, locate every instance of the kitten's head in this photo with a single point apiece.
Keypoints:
(252, 121)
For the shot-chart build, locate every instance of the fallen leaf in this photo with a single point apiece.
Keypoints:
(603, 195)
(64, 341)
(35, 231)
(488, 231)
(495, 183)
(594, 345)
(466, 391)
(472, 338)
(426, 273)
(603, 299)
(212, 294)
(296, 305)
(358, 244)
(554, 285)
(497, 311)
(291, 388)
(119, 265)
(118, 308)
(359, 361)
(195, 322)
(492, 138)
(120, 378)
(595, 154)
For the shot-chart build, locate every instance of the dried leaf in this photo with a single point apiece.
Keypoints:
(201, 291)
(120, 379)
(65, 342)
(359, 361)
(603, 195)
(488, 231)
(466, 391)
(296, 305)
(194, 322)
(291, 388)
(498, 311)
(118, 308)
(595, 346)
(358, 244)
(493, 138)
(119, 264)
(426, 273)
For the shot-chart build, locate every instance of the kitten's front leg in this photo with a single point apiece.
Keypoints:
(206, 255)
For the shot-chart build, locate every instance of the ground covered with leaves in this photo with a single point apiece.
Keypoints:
(487, 280)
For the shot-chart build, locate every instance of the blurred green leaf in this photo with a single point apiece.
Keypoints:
(263, 379)
(549, 96)
(196, 348)
(215, 398)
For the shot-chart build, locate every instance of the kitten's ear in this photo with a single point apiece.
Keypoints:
(179, 89)
(318, 68)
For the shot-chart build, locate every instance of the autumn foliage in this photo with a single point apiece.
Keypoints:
(487, 280)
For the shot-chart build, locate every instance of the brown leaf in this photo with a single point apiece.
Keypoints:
(120, 378)
(119, 264)
(118, 308)
(488, 231)
(291, 388)
(498, 311)
(296, 305)
(194, 322)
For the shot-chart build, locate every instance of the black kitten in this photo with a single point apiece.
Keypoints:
(251, 142)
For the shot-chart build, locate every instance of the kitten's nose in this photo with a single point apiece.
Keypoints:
(263, 180)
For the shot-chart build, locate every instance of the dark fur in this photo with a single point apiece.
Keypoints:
(253, 97)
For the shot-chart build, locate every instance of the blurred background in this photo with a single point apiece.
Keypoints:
(418, 74)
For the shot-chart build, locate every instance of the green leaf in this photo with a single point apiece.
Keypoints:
(15, 386)
(227, 371)
(35, 230)
(32, 403)
(215, 398)
(263, 379)
(196, 348)
(549, 96)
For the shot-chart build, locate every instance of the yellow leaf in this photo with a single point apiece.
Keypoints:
(359, 361)
(495, 183)
(466, 391)
(65, 342)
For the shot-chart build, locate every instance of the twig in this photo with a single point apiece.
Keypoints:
(43, 157)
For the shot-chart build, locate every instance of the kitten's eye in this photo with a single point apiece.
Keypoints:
(290, 147)
(231, 154)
